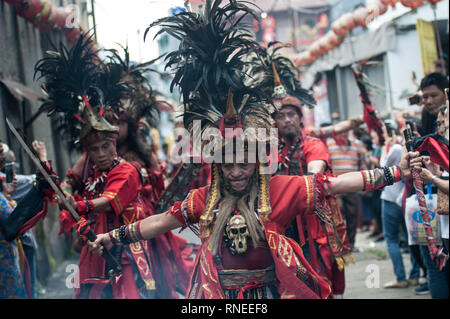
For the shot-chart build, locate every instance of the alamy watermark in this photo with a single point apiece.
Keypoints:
(236, 146)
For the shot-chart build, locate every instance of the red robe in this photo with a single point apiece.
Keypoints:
(313, 149)
(123, 189)
(169, 255)
(171, 261)
(289, 196)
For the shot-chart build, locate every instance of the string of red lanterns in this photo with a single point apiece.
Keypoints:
(42, 14)
(340, 28)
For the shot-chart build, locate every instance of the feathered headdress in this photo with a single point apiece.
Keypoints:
(79, 88)
(278, 76)
(209, 70)
(142, 103)
(209, 65)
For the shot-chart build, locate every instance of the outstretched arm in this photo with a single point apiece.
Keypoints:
(376, 178)
(148, 228)
(338, 128)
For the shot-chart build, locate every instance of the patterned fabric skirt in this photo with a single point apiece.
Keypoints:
(249, 284)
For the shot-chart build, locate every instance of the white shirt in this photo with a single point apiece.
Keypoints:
(392, 158)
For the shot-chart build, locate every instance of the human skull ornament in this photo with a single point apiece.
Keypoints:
(238, 232)
(279, 92)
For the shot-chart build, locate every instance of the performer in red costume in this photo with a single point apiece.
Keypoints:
(299, 154)
(110, 191)
(244, 213)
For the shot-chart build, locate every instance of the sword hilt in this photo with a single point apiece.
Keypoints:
(116, 267)
(408, 140)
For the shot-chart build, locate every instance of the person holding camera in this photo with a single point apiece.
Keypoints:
(14, 188)
(392, 213)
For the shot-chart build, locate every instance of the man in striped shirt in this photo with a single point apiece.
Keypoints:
(345, 156)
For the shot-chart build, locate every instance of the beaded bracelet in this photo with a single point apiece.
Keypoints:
(380, 177)
(388, 175)
(126, 234)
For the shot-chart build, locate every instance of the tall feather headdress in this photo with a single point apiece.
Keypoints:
(78, 87)
(142, 103)
(209, 64)
(278, 76)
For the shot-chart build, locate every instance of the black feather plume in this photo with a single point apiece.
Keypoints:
(141, 100)
(68, 74)
(210, 58)
(263, 78)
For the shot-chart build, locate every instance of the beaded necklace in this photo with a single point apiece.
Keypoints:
(92, 183)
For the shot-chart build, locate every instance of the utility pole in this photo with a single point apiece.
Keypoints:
(92, 14)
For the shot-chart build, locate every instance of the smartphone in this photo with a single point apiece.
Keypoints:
(9, 172)
(414, 99)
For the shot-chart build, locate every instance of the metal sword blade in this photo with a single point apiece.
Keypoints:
(47, 177)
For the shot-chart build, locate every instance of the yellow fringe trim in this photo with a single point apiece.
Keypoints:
(344, 261)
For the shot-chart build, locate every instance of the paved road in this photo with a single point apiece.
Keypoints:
(373, 268)
(364, 280)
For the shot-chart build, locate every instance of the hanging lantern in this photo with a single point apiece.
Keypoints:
(376, 7)
(360, 16)
(343, 25)
(389, 2)
(49, 23)
(42, 17)
(304, 58)
(413, 4)
(347, 21)
(34, 7)
(338, 29)
(433, 2)
(325, 45)
(334, 39)
(316, 49)
(21, 7)
(60, 17)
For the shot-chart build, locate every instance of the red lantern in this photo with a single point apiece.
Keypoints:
(347, 21)
(338, 29)
(334, 39)
(376, 6)
(316, 50)
(50, 23)
(389, 2)
(325, 45)
(34, 7)
(60, 17)
(343, 25)
(304, 58)
(413, 4)
(42, 17)
(360, 16)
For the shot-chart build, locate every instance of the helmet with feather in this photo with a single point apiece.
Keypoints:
(78, 92)
(277, 75)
